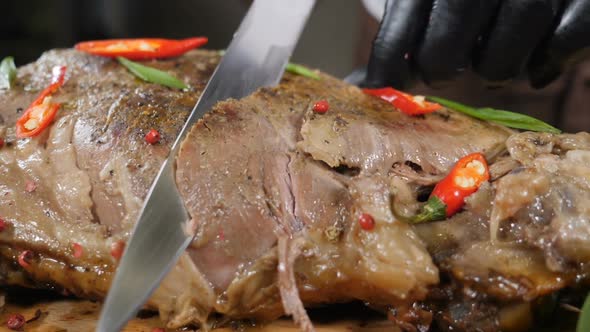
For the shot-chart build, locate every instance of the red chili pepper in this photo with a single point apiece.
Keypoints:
(448, 196)
(24, 258)
(3, 225)
(1, 142)
(321, 107)
(152, 137)
(42, 111)
(141, 48)
(77, 250)
(411, 105)
(15, 322)
(158, 329)
(117, 249)
(366, 221)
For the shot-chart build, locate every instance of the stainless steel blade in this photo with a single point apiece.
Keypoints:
(256, 57)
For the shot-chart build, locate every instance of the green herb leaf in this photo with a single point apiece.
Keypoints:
(584, 319)
(152, 75)
(7, 72)
(303, 71)
(506, 118)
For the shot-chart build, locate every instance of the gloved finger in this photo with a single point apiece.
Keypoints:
(451, 37)
(518, 28)
(568, 45)
(395, 43)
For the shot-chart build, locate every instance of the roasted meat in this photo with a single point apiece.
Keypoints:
(275, 190)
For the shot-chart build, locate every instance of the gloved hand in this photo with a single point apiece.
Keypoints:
(500, 39)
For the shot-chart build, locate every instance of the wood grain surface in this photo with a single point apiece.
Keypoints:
(44, 314)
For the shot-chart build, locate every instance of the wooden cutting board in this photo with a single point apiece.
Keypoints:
(71, 315)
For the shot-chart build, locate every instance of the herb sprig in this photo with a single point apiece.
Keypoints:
(7, 72)
(301, 70)
(152, 75)
(506, 118)
(584, 319)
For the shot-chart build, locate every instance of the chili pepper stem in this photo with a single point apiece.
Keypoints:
(433, 210)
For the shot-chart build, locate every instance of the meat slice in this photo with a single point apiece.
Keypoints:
(225, 173)
(373, 137)
(271, 185)
(83, 180)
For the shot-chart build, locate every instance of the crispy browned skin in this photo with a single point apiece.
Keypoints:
(274, 191)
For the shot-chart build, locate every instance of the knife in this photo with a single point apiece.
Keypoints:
(256, 57)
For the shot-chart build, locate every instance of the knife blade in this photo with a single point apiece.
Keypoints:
(256, 57)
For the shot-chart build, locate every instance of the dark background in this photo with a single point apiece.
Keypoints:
(337, 39)
(30, 27)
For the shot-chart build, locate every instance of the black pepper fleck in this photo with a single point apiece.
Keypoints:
(444, 116)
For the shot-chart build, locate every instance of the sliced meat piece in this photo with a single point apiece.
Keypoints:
(232, 170)
(84, 178)
(374, 136)
(249, 176)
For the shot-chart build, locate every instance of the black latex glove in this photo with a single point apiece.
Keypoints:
(438, 39)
